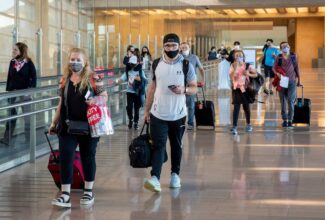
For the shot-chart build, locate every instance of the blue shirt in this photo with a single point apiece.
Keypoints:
(269, 59)
(194, 60)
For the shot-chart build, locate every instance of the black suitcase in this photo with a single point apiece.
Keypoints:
(302, 111)
(204, 112)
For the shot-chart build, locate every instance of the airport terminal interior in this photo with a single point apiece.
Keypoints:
(271, 173)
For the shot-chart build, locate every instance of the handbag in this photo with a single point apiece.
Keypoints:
(140, 150)
(74, 127)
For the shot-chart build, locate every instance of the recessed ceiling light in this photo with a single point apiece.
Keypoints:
(260, 11)
(291, 10)
(271, 11)
(240, 11)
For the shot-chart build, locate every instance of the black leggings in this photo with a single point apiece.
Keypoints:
(236, 113)
(87, 147)
(133, 102)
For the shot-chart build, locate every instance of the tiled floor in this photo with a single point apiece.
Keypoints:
(270, 174)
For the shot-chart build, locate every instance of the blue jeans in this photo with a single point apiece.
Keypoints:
(287, 99)
(190, 104)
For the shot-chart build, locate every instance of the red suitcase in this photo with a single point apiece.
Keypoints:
(78, 180)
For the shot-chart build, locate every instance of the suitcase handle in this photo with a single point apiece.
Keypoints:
(302, 93)
(197, 97)
(48, 141)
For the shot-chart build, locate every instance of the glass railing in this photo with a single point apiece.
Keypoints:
(26, 114)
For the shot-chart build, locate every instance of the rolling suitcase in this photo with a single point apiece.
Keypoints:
(204, 112)
(78, 180)
(302, 110)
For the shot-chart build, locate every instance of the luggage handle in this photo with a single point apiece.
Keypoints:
(197, 97)
(146, 124)
(48, 141)
(302, 93)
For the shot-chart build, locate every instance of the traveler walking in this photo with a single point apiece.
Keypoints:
(190, 99)
(166, 109)
(76, 84)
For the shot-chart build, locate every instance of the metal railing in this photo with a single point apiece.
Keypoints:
(42, 107)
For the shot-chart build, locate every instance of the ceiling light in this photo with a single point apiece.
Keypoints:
(120, 12)
(210, 12)
(162, 12)
(240, 11)
(230, 12)
(271, 10)
(321, 9)
(260, 11)
(191, 11)
(302, 10)
(291, 10)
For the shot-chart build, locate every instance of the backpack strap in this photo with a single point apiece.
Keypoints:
(186, 64)
(247, 66)
(154, 66)
(280, 60)
(93, 83)
(293, 59)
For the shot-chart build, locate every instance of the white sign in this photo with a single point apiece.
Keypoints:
(250, 57)
(284, 82)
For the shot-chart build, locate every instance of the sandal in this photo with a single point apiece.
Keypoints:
(87, 199)
(61, 202)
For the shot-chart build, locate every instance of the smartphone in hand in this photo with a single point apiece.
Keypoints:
(171, 87)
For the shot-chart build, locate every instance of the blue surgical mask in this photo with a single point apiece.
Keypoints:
(286, 50)
(240, 59)
(76, 67)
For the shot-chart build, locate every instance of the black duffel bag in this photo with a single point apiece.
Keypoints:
(140, 150)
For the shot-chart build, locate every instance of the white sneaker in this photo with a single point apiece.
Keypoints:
(152, 184)
(175, 181)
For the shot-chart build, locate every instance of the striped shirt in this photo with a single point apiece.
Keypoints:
(291, 71)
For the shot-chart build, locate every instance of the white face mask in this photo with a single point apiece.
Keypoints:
(236, 47)
(186, 52)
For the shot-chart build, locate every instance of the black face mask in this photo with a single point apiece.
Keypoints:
(172, 54)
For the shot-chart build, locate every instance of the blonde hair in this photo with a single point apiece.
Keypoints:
(86, 71)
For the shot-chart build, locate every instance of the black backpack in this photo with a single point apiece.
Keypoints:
(254, 86)
(186, 64)
(140, 150)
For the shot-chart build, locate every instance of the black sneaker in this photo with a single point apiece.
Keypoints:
(290, 126)
(130, 124)
(284, 124)
(136, 126)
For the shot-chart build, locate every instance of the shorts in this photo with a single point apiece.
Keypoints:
(268, 72)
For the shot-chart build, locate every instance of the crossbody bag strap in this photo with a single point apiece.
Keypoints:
(65, 97)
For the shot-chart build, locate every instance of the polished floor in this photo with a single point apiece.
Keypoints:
(271, 174)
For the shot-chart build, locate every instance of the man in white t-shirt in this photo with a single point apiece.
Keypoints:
(166, 110)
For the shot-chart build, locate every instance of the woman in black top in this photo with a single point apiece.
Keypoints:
(21, 75)
(80, 82)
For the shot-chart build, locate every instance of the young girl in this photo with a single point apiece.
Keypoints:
(239, 75)
(79, 79)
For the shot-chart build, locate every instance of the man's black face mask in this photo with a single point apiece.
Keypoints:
(172, 54)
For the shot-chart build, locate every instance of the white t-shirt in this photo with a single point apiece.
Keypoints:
(167, 105)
